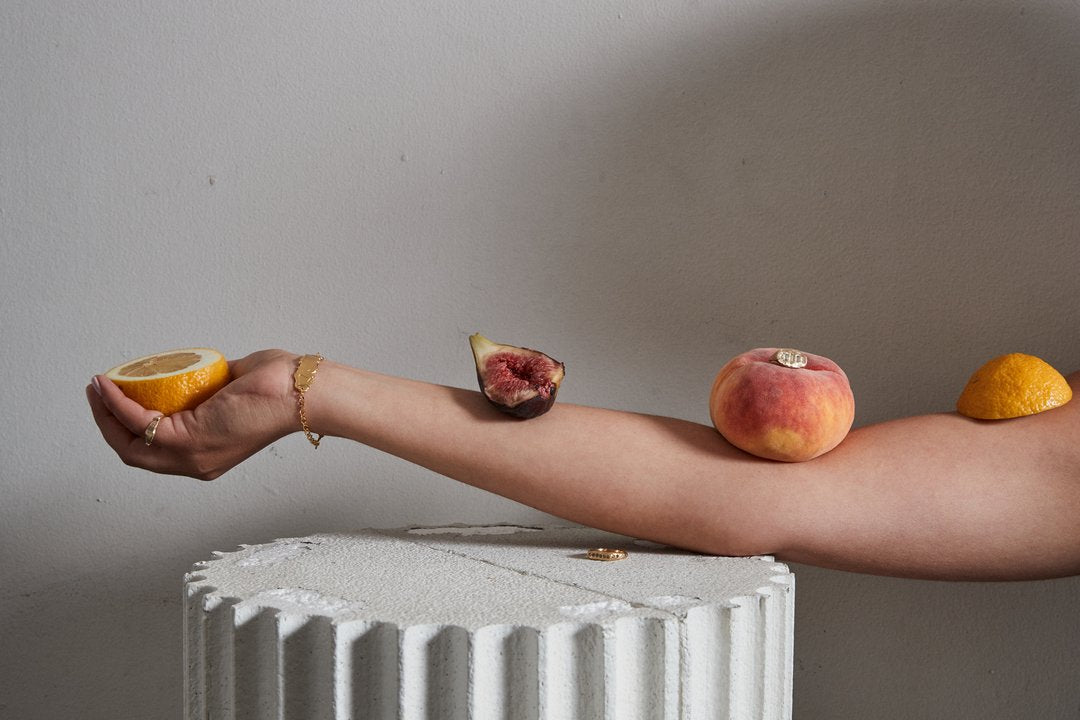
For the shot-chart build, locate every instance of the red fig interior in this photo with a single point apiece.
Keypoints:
(519, 376)
(510, 375)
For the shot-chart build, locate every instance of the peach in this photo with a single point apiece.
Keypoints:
(782, 404)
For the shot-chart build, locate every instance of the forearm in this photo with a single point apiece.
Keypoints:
(659, 478)
(932, 496)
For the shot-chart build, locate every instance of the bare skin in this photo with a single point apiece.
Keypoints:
(933, 496)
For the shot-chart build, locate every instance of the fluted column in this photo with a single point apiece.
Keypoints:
(485, 623)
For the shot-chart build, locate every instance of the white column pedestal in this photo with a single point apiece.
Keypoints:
(486, 623)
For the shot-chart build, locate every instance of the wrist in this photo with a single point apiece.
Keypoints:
(316, 416)
(303, 378)
(284, 393)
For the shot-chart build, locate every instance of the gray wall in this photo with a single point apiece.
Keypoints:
(642, 189)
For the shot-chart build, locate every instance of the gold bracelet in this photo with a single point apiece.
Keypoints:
(306, 368)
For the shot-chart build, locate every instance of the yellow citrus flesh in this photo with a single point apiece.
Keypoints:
(172, 381)
(1011, 386)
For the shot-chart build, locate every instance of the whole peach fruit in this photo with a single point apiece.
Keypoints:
(782, 404)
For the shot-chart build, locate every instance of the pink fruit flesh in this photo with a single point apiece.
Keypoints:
(516, 380)
(512, 373)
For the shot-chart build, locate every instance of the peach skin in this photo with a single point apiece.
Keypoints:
(782, 404)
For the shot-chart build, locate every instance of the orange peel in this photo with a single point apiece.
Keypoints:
(172, 381)
(1013, 385)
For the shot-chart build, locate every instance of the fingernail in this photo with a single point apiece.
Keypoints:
(96, 384)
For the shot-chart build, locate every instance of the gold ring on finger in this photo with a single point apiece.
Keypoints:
(151, 430)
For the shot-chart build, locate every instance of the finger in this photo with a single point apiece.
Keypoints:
(241, 366)
(127, 413)
(131, 414)
(114, 432)
(130, 447)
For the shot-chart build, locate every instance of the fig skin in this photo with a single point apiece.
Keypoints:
(518, 381)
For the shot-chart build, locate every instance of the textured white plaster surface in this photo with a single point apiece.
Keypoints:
(485, 622)
(643, 189)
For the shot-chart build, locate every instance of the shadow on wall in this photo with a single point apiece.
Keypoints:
(857, 179)
(891, 186)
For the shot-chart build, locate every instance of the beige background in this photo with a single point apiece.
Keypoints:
(642, 189)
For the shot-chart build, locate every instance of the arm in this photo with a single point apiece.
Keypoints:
(946, 497)
(931, 496)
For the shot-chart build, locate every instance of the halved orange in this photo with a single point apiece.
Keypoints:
(174, 380)
(1011, 386)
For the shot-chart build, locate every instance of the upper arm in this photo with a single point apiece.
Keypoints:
(945, 496)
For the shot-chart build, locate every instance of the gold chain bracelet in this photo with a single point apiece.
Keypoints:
(306, 368)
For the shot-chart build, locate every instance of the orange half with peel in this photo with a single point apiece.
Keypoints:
(1012, 386)
(172, 381)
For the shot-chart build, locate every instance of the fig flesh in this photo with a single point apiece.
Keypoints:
(518, 381)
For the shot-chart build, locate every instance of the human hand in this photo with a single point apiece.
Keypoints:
(256, 408)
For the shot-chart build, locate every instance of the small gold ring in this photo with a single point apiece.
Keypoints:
(151, 430)
(606, 554)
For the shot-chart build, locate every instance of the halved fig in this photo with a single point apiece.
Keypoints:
(517, 380)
